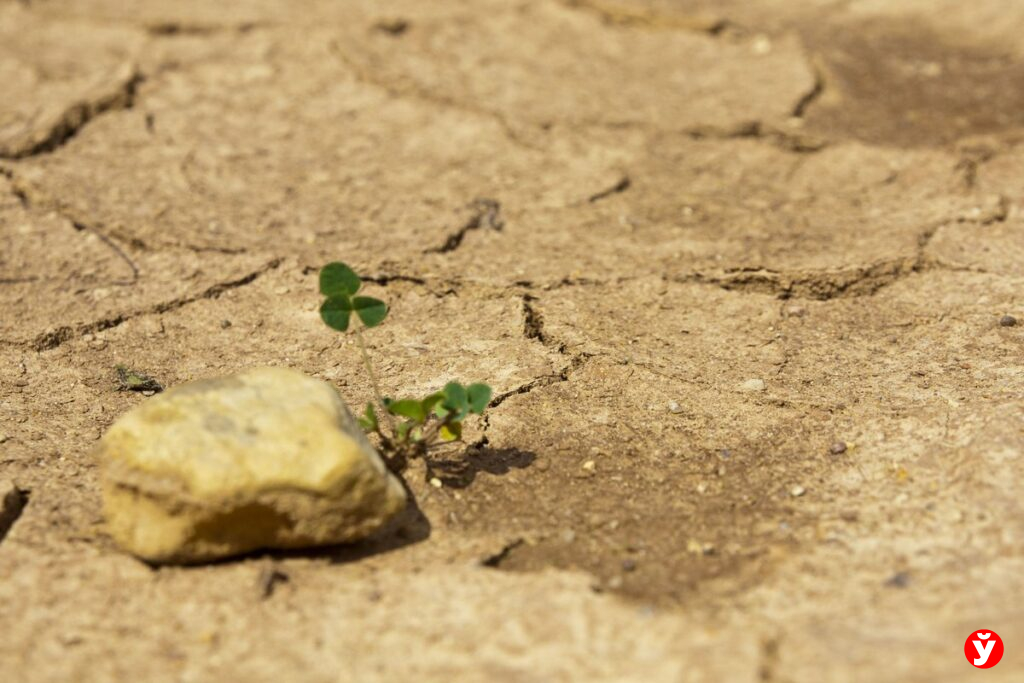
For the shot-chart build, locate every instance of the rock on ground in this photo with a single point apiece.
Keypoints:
(267, 458)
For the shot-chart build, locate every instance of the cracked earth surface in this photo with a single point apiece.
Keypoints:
(692, 244)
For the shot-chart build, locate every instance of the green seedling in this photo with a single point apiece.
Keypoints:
(133, 380)
(411, 427)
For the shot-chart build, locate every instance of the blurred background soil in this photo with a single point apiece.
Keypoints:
(744, 281)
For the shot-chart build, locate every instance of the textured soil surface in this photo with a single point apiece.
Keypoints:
(739, 272)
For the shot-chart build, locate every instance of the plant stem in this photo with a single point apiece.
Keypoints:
(432, 430)
(373, 379)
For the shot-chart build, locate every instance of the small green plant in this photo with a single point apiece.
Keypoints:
(133, 380)
(411, 427)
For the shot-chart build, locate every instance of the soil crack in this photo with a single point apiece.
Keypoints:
(494, 561)
(617, 15)
(789, 141)
(820, 285)
(532, 328)
(824, 285)
(67, 124)
(812, 95)
(621, 186)
(168, 29)
(533, 324)
(397, 91)
(486, 213)
(54, 338)
(82, 227)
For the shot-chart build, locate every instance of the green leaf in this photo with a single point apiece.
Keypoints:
(337, 279)
(336, 312)
(479, 396)
(432, 402)
(455, 400)
(410, 408)
(402, 431)
(451, 432)
(368, 421)
(371, 311)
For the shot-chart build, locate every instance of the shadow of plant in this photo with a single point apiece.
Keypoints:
(460, 472)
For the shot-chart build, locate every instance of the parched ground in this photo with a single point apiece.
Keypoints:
(693, 244)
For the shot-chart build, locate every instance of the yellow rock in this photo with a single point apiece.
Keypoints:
(267, 458)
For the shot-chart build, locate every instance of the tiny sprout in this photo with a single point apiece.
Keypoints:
(413, 426)
(133, 380)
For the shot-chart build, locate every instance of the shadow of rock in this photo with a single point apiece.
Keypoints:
(409, 527)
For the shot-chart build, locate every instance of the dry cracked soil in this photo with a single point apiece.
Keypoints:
(742, 275)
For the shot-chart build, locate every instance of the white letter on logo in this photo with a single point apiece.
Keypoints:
(983, 652)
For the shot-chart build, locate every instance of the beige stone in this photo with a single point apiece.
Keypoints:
(268, 458)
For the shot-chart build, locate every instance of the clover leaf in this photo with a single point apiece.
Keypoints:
(421, 422)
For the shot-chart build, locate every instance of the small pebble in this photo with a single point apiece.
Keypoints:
(673, 407)
(697, 548)
(225, 324)
(898, 580)
(753, 385)
(3, 437)
(797, 491)
(796, 311)
(762, 45)
(589, 466)
(1007, 321)
(838, 448)
(436, 483)
(394, 27)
